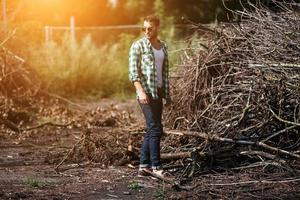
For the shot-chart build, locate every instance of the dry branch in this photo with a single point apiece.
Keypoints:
(241, 92)
(71, 151)
(243, 142)
(46, 124)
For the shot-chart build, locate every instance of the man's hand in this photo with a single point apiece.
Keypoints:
(143, 97)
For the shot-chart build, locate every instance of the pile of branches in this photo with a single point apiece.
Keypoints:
(238, 90)
(16, 78)
(105, 139)
(18, 83)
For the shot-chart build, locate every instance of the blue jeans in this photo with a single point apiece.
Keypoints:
(150, 150)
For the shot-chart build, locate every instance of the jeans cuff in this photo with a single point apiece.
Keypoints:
(144, 166)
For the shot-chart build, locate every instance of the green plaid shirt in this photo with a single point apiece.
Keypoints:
(142, 67)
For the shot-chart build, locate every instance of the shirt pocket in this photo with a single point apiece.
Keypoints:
(147, 58)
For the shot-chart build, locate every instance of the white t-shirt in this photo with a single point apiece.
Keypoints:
(159, 57)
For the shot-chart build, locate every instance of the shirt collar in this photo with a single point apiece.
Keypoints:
(149, 43)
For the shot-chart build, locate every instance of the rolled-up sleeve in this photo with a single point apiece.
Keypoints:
(134, 63)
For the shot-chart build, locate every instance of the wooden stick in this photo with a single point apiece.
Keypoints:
(283, 120)
(206, 136)
(258, 181)
(278, 132)
(243, 142)
(63, 99)
(174, 156)
(69, 153)
(259, 153)
(45, 124)
(179, 155)
(9, 124)
(263, 145)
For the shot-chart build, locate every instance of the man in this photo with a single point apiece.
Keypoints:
(149, 70)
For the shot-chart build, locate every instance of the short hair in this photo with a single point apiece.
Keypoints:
(152, 18)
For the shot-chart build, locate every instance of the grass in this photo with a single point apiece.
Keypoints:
(73, 69)
(160, 193)
(134, 186)
(34, 182)
(80, 69)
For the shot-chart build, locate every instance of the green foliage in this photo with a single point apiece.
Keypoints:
(160, 193)
(34, 182)
(103, 12)
(167, 22)
(82, 69)
(159, 8)
(134, 186)
(75, 69)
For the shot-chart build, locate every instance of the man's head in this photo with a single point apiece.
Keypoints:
(151, 26)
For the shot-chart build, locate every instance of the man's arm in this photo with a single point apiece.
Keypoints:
(134, 73)
(143, 98)
(134, 63)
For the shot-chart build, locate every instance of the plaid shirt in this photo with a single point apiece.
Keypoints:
(142, 67)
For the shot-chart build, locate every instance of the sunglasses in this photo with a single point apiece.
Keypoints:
(147, 29)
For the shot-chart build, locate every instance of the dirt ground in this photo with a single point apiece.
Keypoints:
(25, 171)
(28, 160)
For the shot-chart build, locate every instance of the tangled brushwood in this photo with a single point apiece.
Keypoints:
(239, 91)
(17, 80)
(18, 84)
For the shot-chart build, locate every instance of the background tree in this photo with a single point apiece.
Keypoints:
(104, 12)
